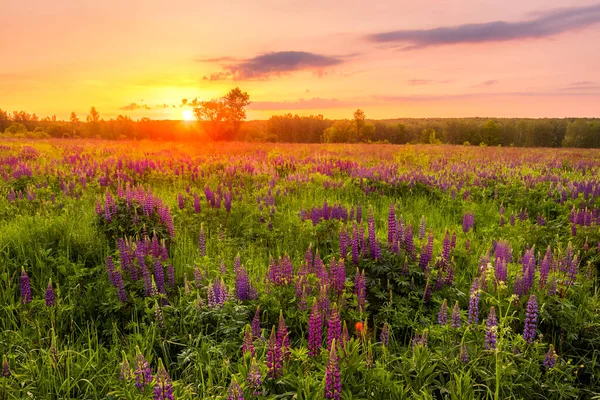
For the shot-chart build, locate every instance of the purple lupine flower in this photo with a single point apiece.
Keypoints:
(334, 326)
(120, 287)
(159, 275)
(235, 391)
(464, 354)
(355, 244)
(384, 337)
(158, 315)
(468, 244)
(6, 373)
(142, 372)
(373, 244)
(50, 294)
(163, 389)
(315, 331)
(338, 276)
(171, 276)
(392, 229)
(490, 330)
(256, 333)
(420, 340)
(147, 280)
(25, 286)
(110, 269)
(453, 240)
(248, 343)
(409, 244)
(512, 219)
(343, 244)
(468, 222)
(242, 284)
(345, 334)
(446, 247)
(197, 276)
(531, 314)
(254, 378)
(222, 268)
(473, 315)
(283, 336)
(426, 253)
(323, 300)
(443, 313)
(360, 289)
(202, 242)
(333, 384)
(422, 228)
(456, 316)
(197, 207)
(274, 356)
(550, 359)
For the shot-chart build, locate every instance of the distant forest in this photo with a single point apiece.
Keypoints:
(522, 132)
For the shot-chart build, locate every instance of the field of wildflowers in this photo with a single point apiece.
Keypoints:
(244, 271)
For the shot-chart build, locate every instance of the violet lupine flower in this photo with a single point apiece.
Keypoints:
(142, 372)
(384, 337)
(283, 336)
(242, 284)
(443, 313)
(420, 340)
(254, 378)
(323, 300)
(274, 356)
(360, 289)
(338, 276)
(345, 334)
(25, 286)
(180, 201)
(197, 276)
(531, 314)
(202, 242)
(473, 315)
(422, 228)
(235, 391)
(355, 244)
(148, 279)
(158, 315)
(373, 244)
(333, 384)
(248, 343)
(334, 326)
(315, 331)
(197, 207)
(159, 275)
(464, 354)
(468, 222)
(392, 229)
(256, 333)
(343, 244)
(171, 276)
(6, 373)
(163, 389)
(110, 269)
(426, 253)
(490, 330)
(50, 295)
(409, 243)
(446, 247)
(512, 219)
(550, 359)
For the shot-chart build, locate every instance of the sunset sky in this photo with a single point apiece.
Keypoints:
(392, 58)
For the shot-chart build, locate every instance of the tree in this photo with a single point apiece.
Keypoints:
(359, 120)
(235, 102)
(342, 131)
(93, 116)
(214, 112)
(93, 119)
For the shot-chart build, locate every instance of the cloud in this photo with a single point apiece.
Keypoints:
(300, 104)
(135, 106)
(486, 83)
(272, 64)
(543, 25)
(217, 76)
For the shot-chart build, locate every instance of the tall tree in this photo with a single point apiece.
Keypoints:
(359, 120)
(214, 113)
(236, 101)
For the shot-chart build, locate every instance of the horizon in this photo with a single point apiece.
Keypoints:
(530, 60)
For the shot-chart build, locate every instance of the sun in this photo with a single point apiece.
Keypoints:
(187, 115)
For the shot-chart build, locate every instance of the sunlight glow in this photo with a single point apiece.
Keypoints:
(187, 115)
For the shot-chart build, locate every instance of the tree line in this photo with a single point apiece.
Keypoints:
(224, 119)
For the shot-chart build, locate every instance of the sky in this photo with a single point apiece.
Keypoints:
(391, 58)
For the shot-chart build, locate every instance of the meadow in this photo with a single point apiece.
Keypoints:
(148, 270)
